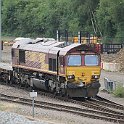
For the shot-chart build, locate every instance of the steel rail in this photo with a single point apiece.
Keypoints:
(78, 111)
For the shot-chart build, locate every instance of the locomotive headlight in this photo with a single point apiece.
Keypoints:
(95, 76)
(70, 76)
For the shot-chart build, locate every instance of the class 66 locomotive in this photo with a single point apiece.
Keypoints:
(59, 67)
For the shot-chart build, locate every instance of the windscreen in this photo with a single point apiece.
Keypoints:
(91, 60)
(74, 60)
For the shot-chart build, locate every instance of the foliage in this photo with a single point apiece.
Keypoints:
(43, 17)
(119, 91)
(110, 18)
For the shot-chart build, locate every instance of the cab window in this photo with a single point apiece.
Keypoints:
(74, 60)
(91, 60)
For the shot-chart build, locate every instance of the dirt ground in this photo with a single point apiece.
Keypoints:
(116, 58)
(46, 115)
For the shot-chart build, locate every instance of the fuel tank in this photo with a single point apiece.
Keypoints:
(40, 84)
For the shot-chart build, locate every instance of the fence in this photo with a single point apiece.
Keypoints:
(111, 48)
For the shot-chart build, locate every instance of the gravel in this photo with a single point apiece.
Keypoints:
(14, 91)
(115, 58)
(116, 77)
(44, 115)
(12, 118)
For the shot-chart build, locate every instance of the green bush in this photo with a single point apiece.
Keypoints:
(119, 91)
(1, 107)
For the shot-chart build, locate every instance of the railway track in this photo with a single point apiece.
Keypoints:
(102, 108)
(85, 112)
(93, 104)
(108, 103)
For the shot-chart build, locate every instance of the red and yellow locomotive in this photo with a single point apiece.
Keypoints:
(68, 69)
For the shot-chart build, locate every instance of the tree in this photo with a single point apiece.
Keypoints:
(110, 17)
(39, 18)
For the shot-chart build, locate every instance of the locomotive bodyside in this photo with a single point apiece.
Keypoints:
(56, 67)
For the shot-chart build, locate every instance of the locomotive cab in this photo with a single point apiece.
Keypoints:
(83, 73)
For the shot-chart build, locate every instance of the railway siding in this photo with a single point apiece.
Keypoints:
(82, 112)
(84, 109)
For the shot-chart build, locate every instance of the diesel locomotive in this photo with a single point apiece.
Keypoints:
(59, 67)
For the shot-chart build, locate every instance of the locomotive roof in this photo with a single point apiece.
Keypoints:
(45, 45)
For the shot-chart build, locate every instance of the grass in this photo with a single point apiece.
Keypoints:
(119, 91)
(7, 38)
(2, 107)
(5, 106)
